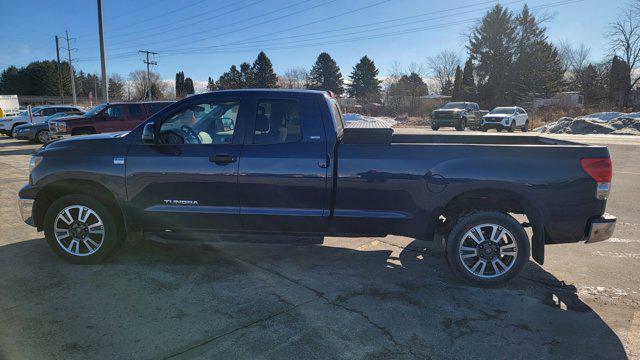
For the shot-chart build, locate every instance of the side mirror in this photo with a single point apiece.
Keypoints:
(149, 134)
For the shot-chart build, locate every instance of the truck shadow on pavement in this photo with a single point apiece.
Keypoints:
(375, 299)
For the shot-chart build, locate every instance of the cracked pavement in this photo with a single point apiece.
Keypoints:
(389, 297)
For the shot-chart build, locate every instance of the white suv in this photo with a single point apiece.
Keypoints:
(508, 118)
(38, 115)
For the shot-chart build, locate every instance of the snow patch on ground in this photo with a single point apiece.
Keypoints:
(602, 116)
(363, 121)
(598, 123)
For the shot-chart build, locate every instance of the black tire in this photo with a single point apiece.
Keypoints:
(434, 127)
(512, 127)
(525, 128)
(457, 239)
(109, 244)
(484, 129)
(41, 138)
(460, 126)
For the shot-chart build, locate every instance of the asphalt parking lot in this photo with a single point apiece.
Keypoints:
(386, 297)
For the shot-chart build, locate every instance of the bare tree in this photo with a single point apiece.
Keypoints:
(294, 78)
(138, 83)
(624, 39)
(574, 58)
(443, 68)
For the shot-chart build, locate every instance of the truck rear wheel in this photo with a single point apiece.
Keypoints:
(81, 230)
(487, 248)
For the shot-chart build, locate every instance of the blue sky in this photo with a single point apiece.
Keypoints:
(204, 37)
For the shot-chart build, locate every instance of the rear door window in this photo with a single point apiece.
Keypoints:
(116, 111)
(135, 111)
(277, 122)
(155, 107)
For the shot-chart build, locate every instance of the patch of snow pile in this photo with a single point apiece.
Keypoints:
(362, 121)
(602, 116)
(623, 124)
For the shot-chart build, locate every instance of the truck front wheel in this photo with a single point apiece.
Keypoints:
(487, 248)
(81, 230)
(434, 127)
(461, 125)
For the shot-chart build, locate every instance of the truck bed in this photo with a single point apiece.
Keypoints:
(388, 136)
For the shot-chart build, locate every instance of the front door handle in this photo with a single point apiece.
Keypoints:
(222, 159)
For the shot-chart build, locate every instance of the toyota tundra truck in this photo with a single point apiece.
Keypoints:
(271, 163)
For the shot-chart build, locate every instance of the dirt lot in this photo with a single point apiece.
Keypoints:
(349, 298)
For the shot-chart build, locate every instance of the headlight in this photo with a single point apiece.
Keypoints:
(34, 162)
(61, 126)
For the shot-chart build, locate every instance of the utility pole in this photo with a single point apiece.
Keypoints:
(103, 62)
(59, 71)
(72, 73)
(147, 52)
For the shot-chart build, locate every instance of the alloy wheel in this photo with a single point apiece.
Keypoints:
(488, 251)
(79, 230)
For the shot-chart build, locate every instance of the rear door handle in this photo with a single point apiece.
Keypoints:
(325, 164)
(222, 159)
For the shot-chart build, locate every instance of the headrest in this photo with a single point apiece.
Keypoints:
(262, 123)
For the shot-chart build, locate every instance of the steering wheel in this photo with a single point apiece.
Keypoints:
(191, 137)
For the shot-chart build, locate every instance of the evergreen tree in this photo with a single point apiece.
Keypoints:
(457, 85)
(232, 79)
(325, 75)
(180, 90)
(491, 44)
(406, 92)
(188, 87)
(619, 82)
(365, 85)
(211, 84)
(468, 82)
(116, 87)
(447, 88)
(246, 75)
(593, 84)
(262, 72)
(538, 68)
(37, 78)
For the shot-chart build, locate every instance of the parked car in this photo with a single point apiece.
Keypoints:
(40, 132)
(38, 115)
(280, 162)
(507, 118)
(108, 117)
(458, 115)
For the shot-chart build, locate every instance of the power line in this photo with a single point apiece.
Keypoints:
(187, 19)
(324, 32)
(208, 31)
(227, 48)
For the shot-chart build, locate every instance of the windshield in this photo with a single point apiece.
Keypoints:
(503, 110)
(95, 110)
(455, 105)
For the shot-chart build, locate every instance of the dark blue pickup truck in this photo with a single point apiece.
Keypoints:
(282, 163)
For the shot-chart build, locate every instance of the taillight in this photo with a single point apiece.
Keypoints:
(601, 171)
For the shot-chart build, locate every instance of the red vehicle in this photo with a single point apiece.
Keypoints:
(109, 117)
